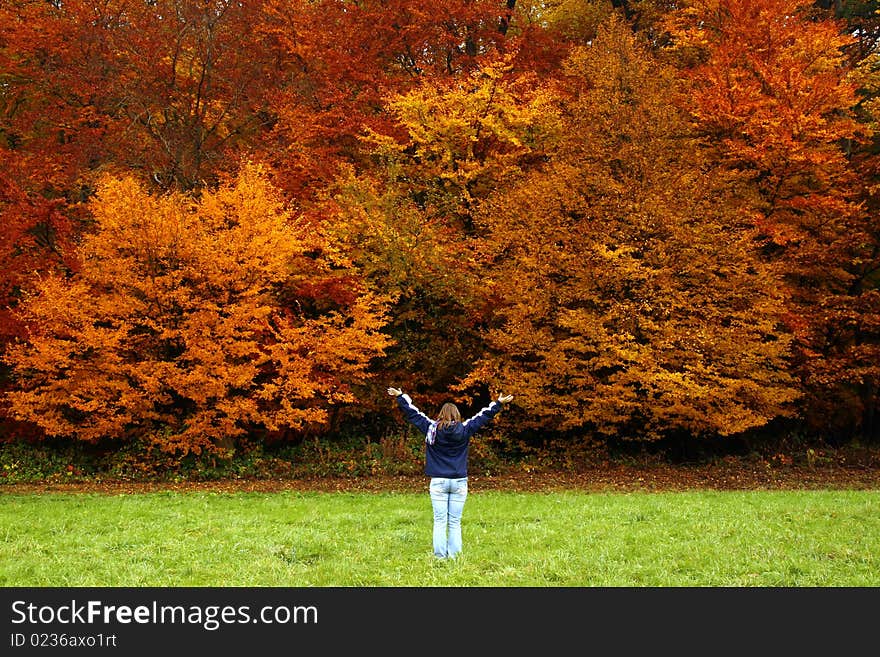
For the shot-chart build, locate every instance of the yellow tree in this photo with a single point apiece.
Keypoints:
(629, 298)
(408, 225)
(173, 329)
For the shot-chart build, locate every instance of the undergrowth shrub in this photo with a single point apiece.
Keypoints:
(394, 453)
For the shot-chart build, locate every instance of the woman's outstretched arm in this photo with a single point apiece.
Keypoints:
(482, 418)
(413, 415)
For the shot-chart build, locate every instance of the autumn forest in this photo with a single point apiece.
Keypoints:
(239, 221)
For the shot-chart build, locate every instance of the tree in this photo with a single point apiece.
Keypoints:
(773, 96)
(343, 61)
(851, 366)
(408, 224)
(166, 87)
(167, 90)
(173, 328)
(629, 298)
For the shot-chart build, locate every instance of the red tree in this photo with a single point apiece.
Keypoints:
(771, 93)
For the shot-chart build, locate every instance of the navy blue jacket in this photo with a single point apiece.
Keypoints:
(446, 449)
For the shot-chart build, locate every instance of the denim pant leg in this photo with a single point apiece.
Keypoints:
(440, 503)
(457, 496)
(447, 499)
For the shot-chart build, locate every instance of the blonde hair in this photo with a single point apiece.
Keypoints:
(448, 415)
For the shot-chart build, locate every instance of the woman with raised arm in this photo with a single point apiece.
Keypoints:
(446, 458)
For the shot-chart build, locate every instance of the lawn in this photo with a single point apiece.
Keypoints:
(801, 538)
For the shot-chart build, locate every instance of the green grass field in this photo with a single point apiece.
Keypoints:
(758, 538)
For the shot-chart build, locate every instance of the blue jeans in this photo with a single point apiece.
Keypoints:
(447, 499)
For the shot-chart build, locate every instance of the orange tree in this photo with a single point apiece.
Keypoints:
(173, 328)
(773, 96)
(856, 328)
(165, 90)
(627, 292)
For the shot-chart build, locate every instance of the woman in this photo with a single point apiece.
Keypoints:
(446, 455)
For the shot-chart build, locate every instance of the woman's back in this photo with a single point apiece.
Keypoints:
(446, 438)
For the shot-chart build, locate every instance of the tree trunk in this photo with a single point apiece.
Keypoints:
(870, 428)
(505, 20)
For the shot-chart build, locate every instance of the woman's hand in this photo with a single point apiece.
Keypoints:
(504, 398)
(395, 392)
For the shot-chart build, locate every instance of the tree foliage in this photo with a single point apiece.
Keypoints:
(629, 299)
(643, 218)
(173, 326)
(409, 225)
(773, 94)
